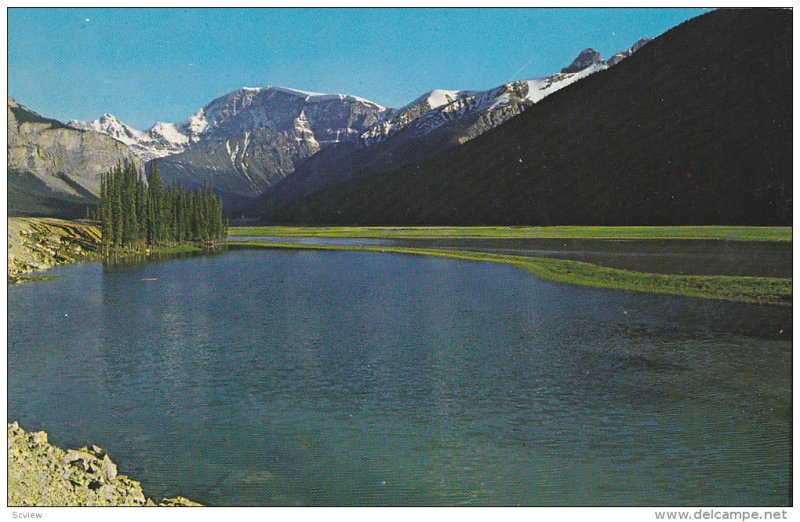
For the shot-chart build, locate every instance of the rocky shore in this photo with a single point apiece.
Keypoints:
(40, 474)
(40, 243)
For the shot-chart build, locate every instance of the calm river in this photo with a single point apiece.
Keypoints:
(261, 377)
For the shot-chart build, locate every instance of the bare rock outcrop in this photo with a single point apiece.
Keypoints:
(40, 474)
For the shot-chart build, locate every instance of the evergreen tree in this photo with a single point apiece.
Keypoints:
(130, 223)
(141, 208)
(156, 213)
(133, 213)
(102, 210)
(117, 211)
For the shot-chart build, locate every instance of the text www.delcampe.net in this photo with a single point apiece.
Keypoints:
(721, 514)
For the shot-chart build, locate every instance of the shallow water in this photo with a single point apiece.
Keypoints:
(261, 377)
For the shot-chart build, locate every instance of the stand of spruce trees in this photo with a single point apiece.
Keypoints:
(135, 214)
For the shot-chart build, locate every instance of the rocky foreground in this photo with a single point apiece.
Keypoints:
(40, 243)
(40, 474)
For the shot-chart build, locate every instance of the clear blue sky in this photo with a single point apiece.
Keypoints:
(148, 65)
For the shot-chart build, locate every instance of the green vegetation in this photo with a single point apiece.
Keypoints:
(731, 233)
(763, 290)
(134, 214)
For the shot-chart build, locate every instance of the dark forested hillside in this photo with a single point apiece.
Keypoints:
(695, 128)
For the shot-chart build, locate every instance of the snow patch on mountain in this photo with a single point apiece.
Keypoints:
(168, 132)
(162, 139)
(539, 88)
(110, 125)
(441, 106)
(317, 97)
(195, 125)
(438, 97)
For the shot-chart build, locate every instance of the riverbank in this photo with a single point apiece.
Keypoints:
(760, 290)
(40, 474)
(36, 244)
(40, 243)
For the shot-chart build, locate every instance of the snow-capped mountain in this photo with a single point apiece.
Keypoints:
(246, 141)
(331, 118)
(162, 139)
(327, 119)
(587, 58)
(438, 107)
(602, 152)
(429, 125)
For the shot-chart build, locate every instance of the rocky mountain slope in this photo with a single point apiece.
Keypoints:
(53, 169)
(431, 124)
(695, 128)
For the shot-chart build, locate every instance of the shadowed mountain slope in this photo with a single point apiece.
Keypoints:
(695, 128)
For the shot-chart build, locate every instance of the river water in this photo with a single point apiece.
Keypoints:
(268, 377)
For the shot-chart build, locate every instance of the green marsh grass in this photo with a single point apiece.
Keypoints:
(731, 233)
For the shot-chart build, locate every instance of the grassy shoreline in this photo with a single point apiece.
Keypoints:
(729, 233)
(761, 290)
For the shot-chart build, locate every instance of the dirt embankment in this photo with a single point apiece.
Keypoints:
(39, 243)
(40, 474)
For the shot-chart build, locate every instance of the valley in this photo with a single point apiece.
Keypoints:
(568, 287)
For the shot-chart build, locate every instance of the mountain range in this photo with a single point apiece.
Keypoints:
(693, 127)
(247, 142)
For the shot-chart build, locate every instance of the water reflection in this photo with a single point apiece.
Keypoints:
(132, 261)
(344, 378)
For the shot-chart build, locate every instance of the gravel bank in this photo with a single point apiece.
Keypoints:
(40, 243)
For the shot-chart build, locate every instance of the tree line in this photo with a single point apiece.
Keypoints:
(134, 214)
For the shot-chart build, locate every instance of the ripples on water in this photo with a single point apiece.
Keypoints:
(346, 378)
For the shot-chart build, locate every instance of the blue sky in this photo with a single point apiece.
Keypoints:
(148, 65)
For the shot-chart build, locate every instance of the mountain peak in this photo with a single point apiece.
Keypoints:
(621, 55)
(640, 43)
(586, 58)
(109, 119)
